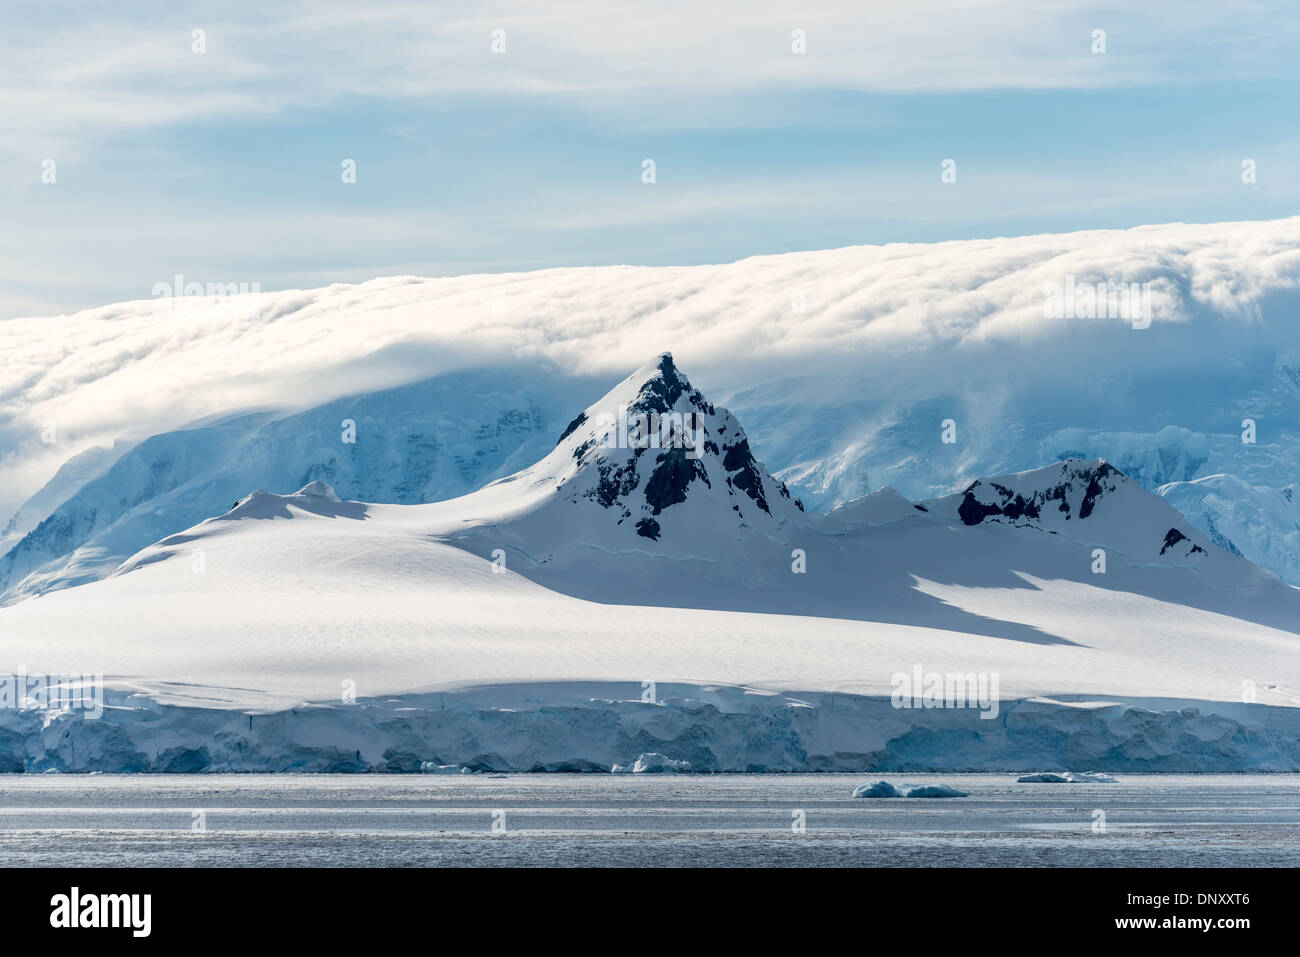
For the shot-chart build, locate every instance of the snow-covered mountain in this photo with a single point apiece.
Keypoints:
(653, 466)
(645, 553)
(1091, 502)
(418, 443)
(1262, 523)
(123, 424)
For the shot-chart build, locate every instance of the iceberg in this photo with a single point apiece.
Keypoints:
(1065, 777)
(936, 791)
(655, 763)
(881, 789)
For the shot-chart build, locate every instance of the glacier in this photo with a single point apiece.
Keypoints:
(708, 729)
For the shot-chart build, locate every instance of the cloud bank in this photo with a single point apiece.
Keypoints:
(899, 320)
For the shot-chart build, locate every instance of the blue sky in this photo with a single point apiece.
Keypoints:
(225, 165)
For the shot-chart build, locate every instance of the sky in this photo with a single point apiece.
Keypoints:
(494, 137)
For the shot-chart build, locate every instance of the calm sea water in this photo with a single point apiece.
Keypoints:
(660, 821)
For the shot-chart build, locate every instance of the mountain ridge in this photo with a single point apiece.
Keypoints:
(842, 363)
(465, 631)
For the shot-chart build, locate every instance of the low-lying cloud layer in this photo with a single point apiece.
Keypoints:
(896, 321)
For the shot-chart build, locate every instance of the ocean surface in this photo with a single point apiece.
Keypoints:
(643, 821)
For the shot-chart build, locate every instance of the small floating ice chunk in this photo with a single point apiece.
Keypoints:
(936, 791)
(881, 789)
(1065, 777)
(652, 763)
(428, 767)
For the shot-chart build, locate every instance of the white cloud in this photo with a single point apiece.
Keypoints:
(882, 314)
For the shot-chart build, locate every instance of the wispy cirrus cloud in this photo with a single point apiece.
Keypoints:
(115, 69)
(226, 162)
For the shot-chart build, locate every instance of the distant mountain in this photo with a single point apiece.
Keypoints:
(1260, 523)
(653, 465)
(652, 497)
(844, 365)
(419, 443)
(1091, 502)
(648, 547)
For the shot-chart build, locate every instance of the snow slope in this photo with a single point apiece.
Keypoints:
(547, 591)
